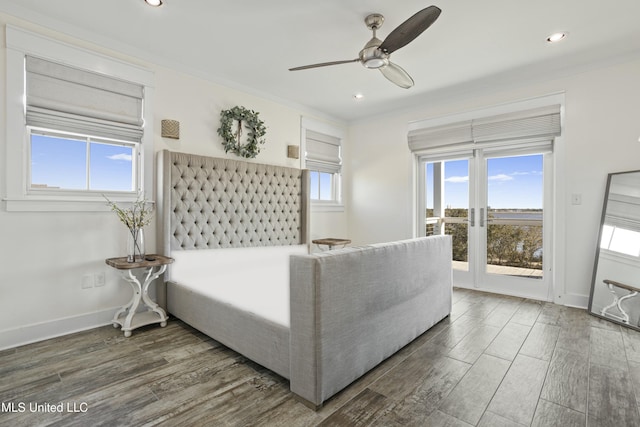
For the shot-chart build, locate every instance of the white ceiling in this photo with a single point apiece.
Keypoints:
(251, 44)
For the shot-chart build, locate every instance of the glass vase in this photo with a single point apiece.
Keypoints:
(135, 245)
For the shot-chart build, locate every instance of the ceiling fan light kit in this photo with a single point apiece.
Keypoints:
(375, 54)
(372, 62)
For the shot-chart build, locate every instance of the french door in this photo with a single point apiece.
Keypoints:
(496, 204)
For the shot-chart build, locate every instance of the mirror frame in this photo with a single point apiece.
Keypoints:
(597, 256)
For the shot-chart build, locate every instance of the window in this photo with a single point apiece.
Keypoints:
(621, 240)
(84, 128)
(323, 158)
(75, 162)
(78, 127)
(323, 186)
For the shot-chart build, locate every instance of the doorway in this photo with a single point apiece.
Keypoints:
(496, 204)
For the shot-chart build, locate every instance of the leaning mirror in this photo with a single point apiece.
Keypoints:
(615, 289)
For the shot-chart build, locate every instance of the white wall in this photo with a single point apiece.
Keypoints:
(602, 127)
(44, 255)
(379, 179)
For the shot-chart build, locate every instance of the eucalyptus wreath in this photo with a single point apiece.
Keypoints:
(231, 140)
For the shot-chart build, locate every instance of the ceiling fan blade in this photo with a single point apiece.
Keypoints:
(410, 29)
(397, 75)
(323, 64)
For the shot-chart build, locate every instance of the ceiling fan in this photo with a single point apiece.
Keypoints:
(375, 54)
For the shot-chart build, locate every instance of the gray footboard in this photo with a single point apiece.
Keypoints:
(353, 308)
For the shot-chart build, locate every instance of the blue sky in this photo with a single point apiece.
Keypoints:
(513, 182)
(61, 162)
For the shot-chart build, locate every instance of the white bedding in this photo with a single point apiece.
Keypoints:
(253, 279)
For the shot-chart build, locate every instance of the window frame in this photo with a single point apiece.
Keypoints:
(335, 190)
(337, 202)
(19, 196)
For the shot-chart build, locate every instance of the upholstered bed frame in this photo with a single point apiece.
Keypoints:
(347, 310)
(211, 204)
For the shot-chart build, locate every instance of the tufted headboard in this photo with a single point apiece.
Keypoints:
(206, 203)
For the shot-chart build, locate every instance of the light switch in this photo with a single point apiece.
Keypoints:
(87, 281)
(576, 199)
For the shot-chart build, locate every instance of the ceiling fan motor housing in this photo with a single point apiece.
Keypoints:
(371, 56)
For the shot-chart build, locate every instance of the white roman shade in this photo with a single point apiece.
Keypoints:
(65, 98)
(625, 223)
(534, 124)
(623, 211)
(449, 135)
(322, 152)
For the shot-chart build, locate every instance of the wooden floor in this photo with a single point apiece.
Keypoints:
(497, 361)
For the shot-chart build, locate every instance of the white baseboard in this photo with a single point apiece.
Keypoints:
(570, 300)
(11, 338)
(574, 300)
(502, 292)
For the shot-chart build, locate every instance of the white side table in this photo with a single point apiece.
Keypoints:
(617, 300)
(127, 317)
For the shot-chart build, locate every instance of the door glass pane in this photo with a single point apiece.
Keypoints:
(431, 220)
(514, 216)
(447, 203)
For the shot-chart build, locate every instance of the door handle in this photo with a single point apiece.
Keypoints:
(472, 217)
(481, 217)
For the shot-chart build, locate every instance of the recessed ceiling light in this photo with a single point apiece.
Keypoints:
(556, 37)
(154, 3)
(358, 96)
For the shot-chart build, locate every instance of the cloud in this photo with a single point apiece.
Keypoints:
(457, 179)
(500, 177)
(526, 173)
(122, 156)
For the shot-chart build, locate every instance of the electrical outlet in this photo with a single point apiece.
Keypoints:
(99, 280)
(87, 281)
